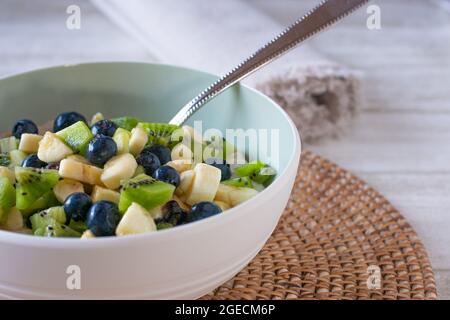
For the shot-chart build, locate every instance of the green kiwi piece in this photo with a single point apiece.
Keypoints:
(146, 191)
(4, 160)
(164, 225)
(8, 144)
(249, 169)
(139, 170)
(44, 218)
(7, 197)
(77, 136)
(46, 201)
(32, 184)
(264, 176)
(55, 229)
(78, 226)
(122, 139)
(239, 182)
(127, 123)
(16, 157)
(159, 133)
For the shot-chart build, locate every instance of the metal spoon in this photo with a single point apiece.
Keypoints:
(324, 15)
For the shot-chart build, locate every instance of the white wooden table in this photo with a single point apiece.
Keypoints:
(401, 142)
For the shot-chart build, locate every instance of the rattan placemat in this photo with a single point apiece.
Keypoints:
(337, 239)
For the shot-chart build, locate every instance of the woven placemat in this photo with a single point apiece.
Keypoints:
(335, 234)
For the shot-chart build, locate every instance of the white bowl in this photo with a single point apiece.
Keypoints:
(185, 262)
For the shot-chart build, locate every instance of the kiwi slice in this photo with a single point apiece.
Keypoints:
(32, 184)
(4, 160)
(127, 123)
(164, 225)
(8, 144)
(7, 197)
(16, 157)
(77, 136)
(257, 171)
(78, 226)
(264, 176)
(122, 139)
(146, 191)
(249, 169)
(55, 229)
(239, 182)
(46, 201)
(159, 133)
(42, 219)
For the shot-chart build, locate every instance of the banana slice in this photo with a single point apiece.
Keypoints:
(29, 143)
(8, 173)
(14, 221)
(52, 149)
(222, 205)
(138, 140)
(135, 220)
(223, 192)
(186, 179)
(118, 168)
(205, 184)
(181, 165)
(65, 188)
(241, 195)
(181, 151)
(72, 169)
(103, 194)
(88, 234)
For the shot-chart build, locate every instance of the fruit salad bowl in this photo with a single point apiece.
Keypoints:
(184, 262)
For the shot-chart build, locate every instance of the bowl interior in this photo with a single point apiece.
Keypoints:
(151, 92)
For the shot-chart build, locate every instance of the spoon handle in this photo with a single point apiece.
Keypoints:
(324, 15)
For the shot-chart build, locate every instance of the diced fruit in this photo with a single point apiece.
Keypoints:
(164, 225)
(239, 182)
(222, 166)
(87, 235)
(100, 150)
(32, 184)
(162, 152)
(24, 126)
(248, 169)
(8, 173)
(156, 213)
(77, 206)
(77, 136)
(146, 191)
(223, 193)
(29, 142)
(194, 136)
(78, 226)
(138, 140)
(139, 170)
(264, 176)
(14, 220)
(52, 149)
(67, 119)
(127, 123)
(241, 195)
(181, 165)
(55, 229)
(9, 144)
(149, 161)
(183, 205)
(75, 170)
(122, 139)
(222, 205)
(119, 168)
(42, 219)
(78, 158)
(173, 213)
(104, 127)
(186, 180)
(181, 151)
(167, 174)
(159, 133)
(202, 210)
(103, 194)
(48, 200)
(135, 220)
(7, 197)
(32, 161)
(4, 160)
(16, 157)
(102, 219)
(65, 188)
(96, 118)
(205, 184)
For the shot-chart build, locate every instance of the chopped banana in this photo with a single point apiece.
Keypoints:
(186, 179)
(223, 193)
(103, 194)
(240, 195)
(72, 169)
(193, 134)
(88, 234)
(122, 140)
(118, 168)
(222, 205)
(181, 151)
(8, 173)
(182, 205)
(78, 158)
(138, 140)
(52, 148)
(29, 143)
(14, 221)
(135, 220)
(156, 213)
(96, 118)
(205, 184)
(65, 188)
(181, 165)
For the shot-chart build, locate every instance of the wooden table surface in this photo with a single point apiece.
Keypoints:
(401, 142)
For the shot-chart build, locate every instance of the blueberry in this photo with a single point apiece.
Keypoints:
(101, 149)
(167, 174)
(102, 218)
(173, 213)
(32, 161)
(163, 153)
(77, 206)
(149, 161)
(104, 127)
(24, 126)
(67, 119)
(222, 165)
(203, 210)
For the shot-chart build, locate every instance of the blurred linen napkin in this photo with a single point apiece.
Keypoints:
(321, 96)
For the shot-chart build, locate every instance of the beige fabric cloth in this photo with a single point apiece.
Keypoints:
(214, 36)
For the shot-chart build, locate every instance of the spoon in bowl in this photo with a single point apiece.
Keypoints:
(324, 15)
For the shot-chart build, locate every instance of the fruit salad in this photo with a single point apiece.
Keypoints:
(116, 177)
